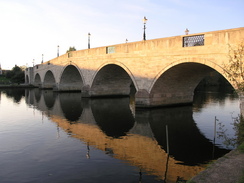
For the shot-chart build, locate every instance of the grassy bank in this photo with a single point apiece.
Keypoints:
(16, 86)
(4, 80)
(7, 83)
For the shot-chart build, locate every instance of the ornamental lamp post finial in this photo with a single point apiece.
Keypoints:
(187, 31)
(144, 32)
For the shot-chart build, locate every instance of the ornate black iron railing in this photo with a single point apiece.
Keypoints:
(197, 40)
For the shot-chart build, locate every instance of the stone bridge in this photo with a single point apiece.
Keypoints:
(159, 72)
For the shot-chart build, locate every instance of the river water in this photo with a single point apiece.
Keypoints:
(61, 138)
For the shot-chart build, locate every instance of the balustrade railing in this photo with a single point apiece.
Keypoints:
(197, 40)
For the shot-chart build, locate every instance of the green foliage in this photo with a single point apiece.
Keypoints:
(16, 75)
(234, 70)
(190, 181)
(241, 180)
(241, 133)
(4, 80)
(71, 49)
(241, 148)
(238, 127)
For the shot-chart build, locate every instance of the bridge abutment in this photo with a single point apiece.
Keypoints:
(85, 91)
(142, 98)
(171, 99)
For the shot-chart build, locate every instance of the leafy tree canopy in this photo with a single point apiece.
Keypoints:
(71, 49)
(16, 75)
(234, 70)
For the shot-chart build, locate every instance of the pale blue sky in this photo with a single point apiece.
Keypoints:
(30, 28)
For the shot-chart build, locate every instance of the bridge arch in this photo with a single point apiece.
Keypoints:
(37, 80)
(176, 83)
(49, 80)
(207, 62)
(113, 79)
(71, 79)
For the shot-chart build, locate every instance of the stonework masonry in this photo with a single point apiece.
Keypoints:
(162, 71)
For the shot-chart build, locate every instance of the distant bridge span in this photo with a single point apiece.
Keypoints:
(160, 72)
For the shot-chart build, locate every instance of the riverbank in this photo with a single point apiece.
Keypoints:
(17, 86)
(227, 169)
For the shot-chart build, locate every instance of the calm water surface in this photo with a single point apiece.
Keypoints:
(61, 138)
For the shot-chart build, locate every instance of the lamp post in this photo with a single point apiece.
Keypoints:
(144, 32)
(58, 51)
(42, 58)
(89, 35)
(186, 31)
(186, 38)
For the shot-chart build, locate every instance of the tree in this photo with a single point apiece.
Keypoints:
(71, 49)
(234, 70)
(16, 75)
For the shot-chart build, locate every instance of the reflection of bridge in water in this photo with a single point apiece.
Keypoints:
(110, 125)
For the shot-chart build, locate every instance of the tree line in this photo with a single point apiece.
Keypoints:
(16, 75)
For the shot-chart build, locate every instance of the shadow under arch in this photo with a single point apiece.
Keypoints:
(27, 80)
(112, 80)
(71, 106)
(186, 143)
(37, 80)
(71, 79)
(207, 62)
(49, 80)
(113, 115)
(177, 84)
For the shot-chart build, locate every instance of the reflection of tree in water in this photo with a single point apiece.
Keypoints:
(212, 94)
(222, 132)
(213, 87)
(16, 94)
(113, 116)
